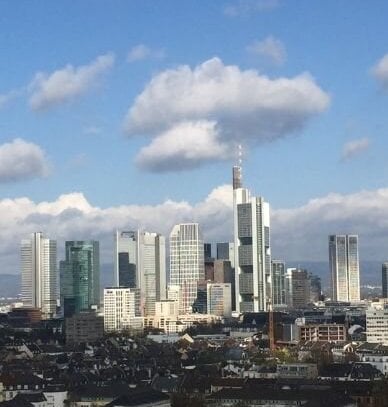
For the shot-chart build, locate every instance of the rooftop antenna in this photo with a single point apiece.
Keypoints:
(237, 169)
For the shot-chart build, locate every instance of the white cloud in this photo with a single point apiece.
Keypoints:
(5, 98)
(48, 90)
(301, 233)
(188, 144)
(297, 234)
(270, 48)
(21, 160)
(141, 52)
(245, 106)
(380, 71)
(243, 7)
(354, 148)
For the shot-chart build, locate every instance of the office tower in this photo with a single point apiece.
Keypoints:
(252, 252)
(384, 279)
(140, 261)
(200, 303)
(186, 261)
(126, 258)
(80, 276)
(224, 273)
(207, 249)
(120, 309)
(298, 287)
(278, 283)
(219, 299)
(344, 267)
(315, 288)
(39, 274)
(225, 251)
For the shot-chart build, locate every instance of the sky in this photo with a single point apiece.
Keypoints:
(129, 114)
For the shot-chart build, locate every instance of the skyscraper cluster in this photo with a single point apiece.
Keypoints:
(243, 277)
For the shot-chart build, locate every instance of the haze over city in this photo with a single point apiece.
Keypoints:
(128, 115)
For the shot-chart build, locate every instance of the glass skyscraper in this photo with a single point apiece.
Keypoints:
(344, 267)
(80, 276)
(140, 262)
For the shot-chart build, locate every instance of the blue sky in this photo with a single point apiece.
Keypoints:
(83, 138)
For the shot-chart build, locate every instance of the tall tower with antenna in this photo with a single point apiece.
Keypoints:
(251, 246)
(237, 170)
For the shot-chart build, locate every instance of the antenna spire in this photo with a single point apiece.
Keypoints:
(237, 169)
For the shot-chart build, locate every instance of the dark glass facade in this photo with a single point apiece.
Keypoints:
(80, 276)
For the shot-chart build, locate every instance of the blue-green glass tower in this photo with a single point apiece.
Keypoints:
(80, 276)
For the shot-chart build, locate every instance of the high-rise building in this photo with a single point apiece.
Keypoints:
(39, 274)
(298, 287)
(252, 251)
(344, 267)
(80, 276)
(186, 262)
(384, 279)
(207, 249)
(315, 288)
(278, 283)
(219, 299)
(120, 309)
(225, 251)
(140, 261)
(126, 258)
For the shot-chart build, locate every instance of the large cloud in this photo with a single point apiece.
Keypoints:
(65, 84)
(380, 71)
(244, 106)
(297, 234)
(21, 160)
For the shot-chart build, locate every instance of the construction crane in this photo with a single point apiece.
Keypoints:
(271, 326)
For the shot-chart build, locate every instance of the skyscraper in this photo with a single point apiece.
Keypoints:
(125, 259)
(251, 248)
(298, 288)
(225, 251)
(278, 283)
(140, 261)
(384, 279)
(186, 262)
(39, 274)
(344, 267)
(80, 276)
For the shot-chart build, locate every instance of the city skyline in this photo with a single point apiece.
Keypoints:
(81, 143)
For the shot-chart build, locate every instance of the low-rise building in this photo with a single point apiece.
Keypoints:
(322, 332)
(85, 326)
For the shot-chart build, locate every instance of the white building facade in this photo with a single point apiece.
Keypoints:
(120, 309)
(219, 299)
(186, 262)
(39, 274)
(344, 267)
(377, 323)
